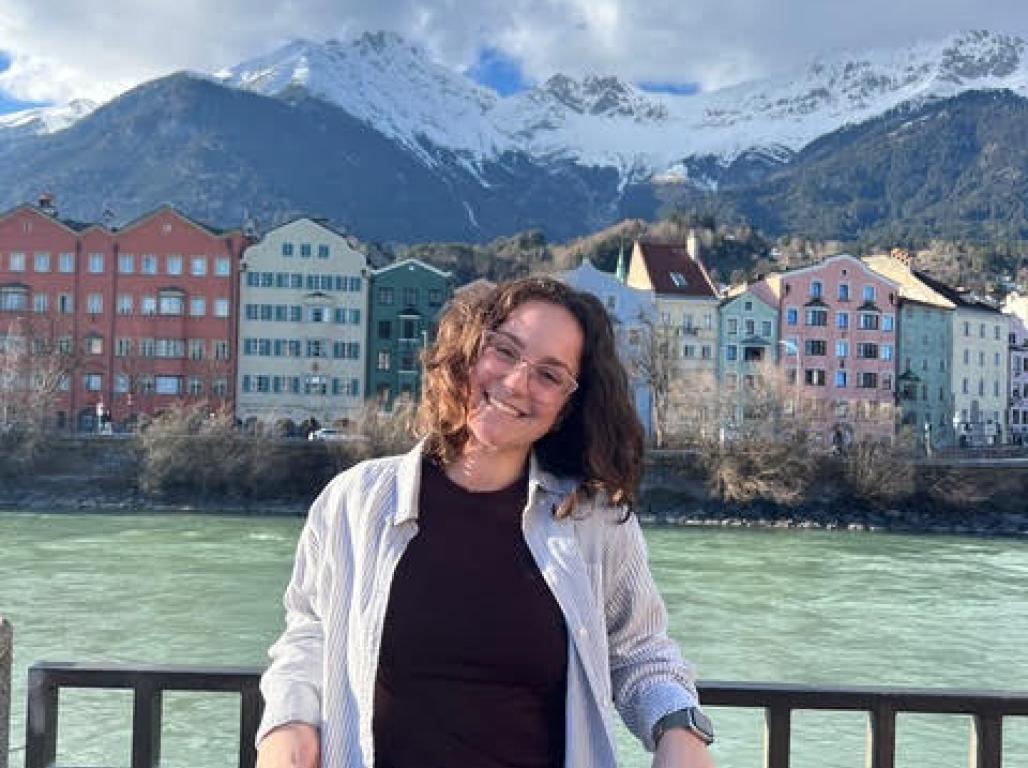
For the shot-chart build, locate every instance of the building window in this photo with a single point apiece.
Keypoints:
(16, 262)
(171, 303)
(195, 386)
(94, 382)
(678, 279)
(95, 303)
(148, 264)
(842, 348)
(842, 320)
(814, 377)
(40, 303)
(126, 304)
(221, 350)
(223, 266)
(65, 304)
(221, 307)
(316, 348)
(174, 264)
(123, 347)
(96, 263)
(168, 385)
(732, 326)
(435, 297)
(867, 380)
(198, 266)
(844, 294)
(765, 329)
(305, 250)
(867, 351)
(66, 263)
(197, 349)
(868, 293)
(384, 360)
(817, 317)
(815, 289)
(323, 252)
(751, 327)
(867, 321)
(121, 383)
(840, 379)
(731, 353)
(41, 262)
(386, 296)
(287, 249)
(886, 351)
(888, 322)
(197, 306)
(13, 299)
(126, 264)
(410, 297)
(816, 347)
(93, 344)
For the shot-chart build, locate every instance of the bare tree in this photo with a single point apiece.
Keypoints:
(37, 362)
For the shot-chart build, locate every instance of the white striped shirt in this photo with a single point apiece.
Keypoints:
(323, 667)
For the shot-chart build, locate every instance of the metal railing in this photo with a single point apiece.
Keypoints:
(148, 684)
(986, 708)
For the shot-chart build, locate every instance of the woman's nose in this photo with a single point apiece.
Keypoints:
(517, 377)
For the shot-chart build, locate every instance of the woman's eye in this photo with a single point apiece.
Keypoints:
(550, 376)
(507, 353)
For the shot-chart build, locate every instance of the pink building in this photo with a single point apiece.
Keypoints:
(838, 334)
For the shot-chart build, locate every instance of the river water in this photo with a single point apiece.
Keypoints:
(785, 606)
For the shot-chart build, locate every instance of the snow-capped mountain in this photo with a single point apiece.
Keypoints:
(42, 120)
(603, 121)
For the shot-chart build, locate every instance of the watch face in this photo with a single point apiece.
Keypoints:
(701, 722)
(692, 719)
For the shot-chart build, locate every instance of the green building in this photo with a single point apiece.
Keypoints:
(747, 354)
(403, 307)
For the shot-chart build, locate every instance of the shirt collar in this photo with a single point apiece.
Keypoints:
(408, 482)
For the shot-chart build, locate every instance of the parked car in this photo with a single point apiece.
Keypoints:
(327, 433)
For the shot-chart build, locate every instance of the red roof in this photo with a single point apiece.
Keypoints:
(674, 273)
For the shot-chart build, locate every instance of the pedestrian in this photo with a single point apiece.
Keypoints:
(484, 600)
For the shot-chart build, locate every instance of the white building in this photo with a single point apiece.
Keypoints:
(302, 327)
(632, 313)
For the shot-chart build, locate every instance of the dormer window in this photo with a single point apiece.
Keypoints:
(679, 280)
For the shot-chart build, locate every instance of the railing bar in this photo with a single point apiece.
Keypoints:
(881, 738)
(250, 711)
(41, 721)
(777, 735)
(146, 725)
(986, 741)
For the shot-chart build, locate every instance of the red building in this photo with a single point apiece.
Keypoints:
(138, 318)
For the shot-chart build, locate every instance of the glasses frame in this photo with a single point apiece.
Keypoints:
(489, 336)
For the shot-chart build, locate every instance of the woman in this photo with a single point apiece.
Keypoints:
(484, 600)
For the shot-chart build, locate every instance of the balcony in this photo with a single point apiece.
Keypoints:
(778, 701)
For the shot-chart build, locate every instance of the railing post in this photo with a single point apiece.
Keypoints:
(986, 742)
(881, 738)
(41, 723)
(777, 734)
(146, 724)
(251, 707)
(6, 654)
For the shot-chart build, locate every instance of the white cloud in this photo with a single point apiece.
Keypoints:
(63, 49)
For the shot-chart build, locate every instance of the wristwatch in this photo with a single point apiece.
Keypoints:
(690, 719)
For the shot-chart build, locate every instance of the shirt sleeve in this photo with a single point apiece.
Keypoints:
(291, 685)
(648, 675)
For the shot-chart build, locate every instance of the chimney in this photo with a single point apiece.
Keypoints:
(904, 256)
(48, 204)
(692, 244)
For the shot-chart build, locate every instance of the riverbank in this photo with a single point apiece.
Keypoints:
(660, 507)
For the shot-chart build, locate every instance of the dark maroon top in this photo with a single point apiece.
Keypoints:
(473, 666)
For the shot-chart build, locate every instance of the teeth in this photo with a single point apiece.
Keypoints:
(504, 408)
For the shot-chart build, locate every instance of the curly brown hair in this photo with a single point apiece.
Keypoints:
(598, 438)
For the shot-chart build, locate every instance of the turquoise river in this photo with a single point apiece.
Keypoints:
(805, 607)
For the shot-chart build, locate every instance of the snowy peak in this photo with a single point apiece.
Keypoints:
(42, 120)
(383, 80)
(981, 55)
(606, 96)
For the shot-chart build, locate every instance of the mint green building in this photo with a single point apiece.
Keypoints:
(747, 352)
(404, 303)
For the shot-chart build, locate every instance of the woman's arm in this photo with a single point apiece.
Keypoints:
(648, 675)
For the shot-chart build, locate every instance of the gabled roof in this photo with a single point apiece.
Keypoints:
(674, 273)
(960, 299)
(412, 262)
(911, 287)
(71, 226)
(166, 208)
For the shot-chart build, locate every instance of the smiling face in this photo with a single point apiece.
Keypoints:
(509, 411)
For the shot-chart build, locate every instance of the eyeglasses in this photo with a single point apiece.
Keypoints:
(549, 381)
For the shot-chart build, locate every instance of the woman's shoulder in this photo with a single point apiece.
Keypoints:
(365, 485)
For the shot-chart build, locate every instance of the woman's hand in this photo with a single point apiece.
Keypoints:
(293, 745)
(680, 749)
